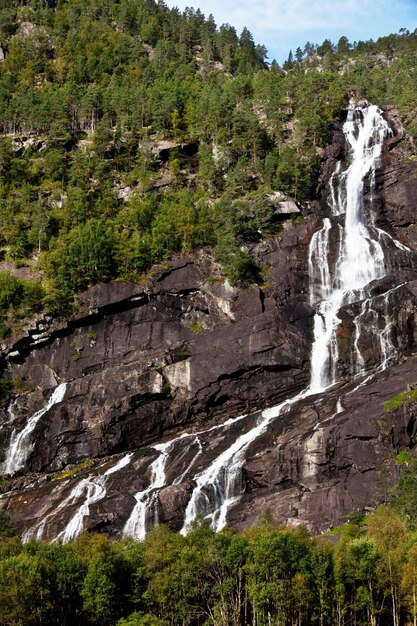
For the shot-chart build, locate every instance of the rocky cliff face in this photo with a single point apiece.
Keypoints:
(143, 362)
(172, 360)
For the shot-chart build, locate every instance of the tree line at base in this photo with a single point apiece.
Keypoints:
(364, 573)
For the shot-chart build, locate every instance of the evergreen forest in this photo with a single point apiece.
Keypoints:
(131, 132)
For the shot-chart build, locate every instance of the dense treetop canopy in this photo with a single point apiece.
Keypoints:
(366, 573)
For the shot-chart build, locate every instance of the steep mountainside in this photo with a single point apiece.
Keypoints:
(159, 373)
(207, 271)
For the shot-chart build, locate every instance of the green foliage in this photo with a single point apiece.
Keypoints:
(89, 88)
(238, 266)
(142, 619)
(265, 575)
(6, 527)
(75, 470)
(99, 591)
(196, 326)
(19, 385)
(5, 388)
(86, 255)
(405, 499)
(11, 291)
(403, 457)
(18, 295)
(402, 399)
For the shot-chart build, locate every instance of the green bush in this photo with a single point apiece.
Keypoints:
(21, 296)
(12, 291)
(5, 389)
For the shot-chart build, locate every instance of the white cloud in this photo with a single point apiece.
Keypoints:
(284, 24)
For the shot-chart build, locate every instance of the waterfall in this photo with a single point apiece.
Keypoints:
(91, 489)
(346, 254)
(136, 524)
(220, 485)
(343, 260)
(340, 279)
(20, 444)
(146, 500)
(376, 320)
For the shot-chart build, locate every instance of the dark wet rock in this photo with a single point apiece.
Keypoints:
(316, 466)
(399, 180)
(142, 362)
(328, 457)
(172, 503)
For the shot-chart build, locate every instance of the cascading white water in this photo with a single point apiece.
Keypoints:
(20, 444)
(360, 258)
(219, 486)
(137, 524)
(91, 489)
(378, 322)
(345, 255)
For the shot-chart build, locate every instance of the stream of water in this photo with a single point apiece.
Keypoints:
(345, 255)
(21, 445)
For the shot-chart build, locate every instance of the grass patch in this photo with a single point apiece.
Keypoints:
(19, 385)
(406, 397)
(383, 426)
(403, 458)
(75, 470)
(353, 527)
(196, 326)
(215, 279)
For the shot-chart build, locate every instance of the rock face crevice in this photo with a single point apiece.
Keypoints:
(175, 359)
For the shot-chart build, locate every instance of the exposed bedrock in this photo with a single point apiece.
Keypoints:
(328, 457)
(186, 351)
(332, 457)
(141, 363)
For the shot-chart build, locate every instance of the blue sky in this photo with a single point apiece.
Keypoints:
(282, 25)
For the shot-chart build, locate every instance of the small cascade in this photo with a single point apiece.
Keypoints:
(10, 413)
(336, 199)
(220, 485)
(20, 444)
(146, 505)
(90, 490)
(384, 235)
(375, 319)
(136, 525)
(191, 464)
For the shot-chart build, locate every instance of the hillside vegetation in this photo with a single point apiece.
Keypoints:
(90, 90)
